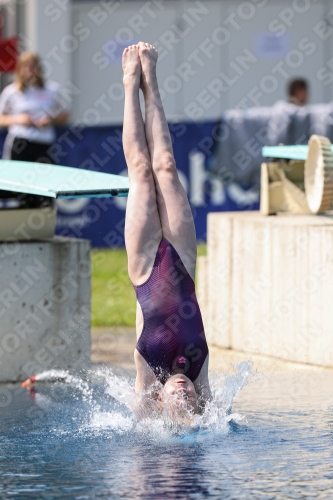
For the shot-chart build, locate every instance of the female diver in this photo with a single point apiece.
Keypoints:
(161, 246)
(171, 354)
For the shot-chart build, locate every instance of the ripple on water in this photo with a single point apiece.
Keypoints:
(271, 438)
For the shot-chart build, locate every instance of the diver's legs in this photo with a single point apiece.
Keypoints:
(173, 206)
(142, 223)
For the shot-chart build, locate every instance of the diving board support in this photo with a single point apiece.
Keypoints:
(298, 179)
(27, 224)
(44, 307)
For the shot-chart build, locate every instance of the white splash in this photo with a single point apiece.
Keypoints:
(153, 422)
(113, 421)
(181, 421)
(65, 377)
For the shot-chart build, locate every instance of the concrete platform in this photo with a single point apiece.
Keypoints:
(266, 285)
(44, 307)
(115, 346)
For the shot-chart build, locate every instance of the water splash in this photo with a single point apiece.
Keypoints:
(154, 422)
(180, 420)
(65, 377)
(225, 390)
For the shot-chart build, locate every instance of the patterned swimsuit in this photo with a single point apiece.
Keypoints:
(173, 334)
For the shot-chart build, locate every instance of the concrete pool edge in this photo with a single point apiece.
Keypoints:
(116, 346)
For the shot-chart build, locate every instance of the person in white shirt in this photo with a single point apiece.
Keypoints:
(30, 108)
(298, 91)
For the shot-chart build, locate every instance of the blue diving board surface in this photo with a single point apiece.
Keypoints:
(57, 181)
(286, 152)
(299, 152)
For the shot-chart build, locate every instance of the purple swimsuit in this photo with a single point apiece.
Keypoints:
(173, 334)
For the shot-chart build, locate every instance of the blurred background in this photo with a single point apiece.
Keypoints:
(234, 76)
(225, 72)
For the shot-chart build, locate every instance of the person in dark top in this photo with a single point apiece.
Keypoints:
(298, 91)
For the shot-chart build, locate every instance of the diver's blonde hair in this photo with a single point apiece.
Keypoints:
(27, 57)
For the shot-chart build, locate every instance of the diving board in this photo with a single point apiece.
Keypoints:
(299, 152)
(56, 181)
(286, 152)
(303, 185)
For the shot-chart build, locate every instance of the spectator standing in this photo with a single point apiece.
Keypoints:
(30, 108)
(298, 91)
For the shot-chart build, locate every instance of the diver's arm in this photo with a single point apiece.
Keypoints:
(145, 376)
(145, 406)
(146, 401)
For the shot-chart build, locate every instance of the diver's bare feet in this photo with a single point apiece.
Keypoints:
(131, 66)
(148, 57)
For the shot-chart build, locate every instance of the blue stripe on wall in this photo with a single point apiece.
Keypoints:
(100, 148)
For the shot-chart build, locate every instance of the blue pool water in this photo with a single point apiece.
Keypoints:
(75, 441)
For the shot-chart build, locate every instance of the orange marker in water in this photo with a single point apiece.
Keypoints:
(30, 381)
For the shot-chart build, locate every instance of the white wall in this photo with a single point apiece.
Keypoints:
(48, 31)
(265, 80)
(214, 54)
(265, 285)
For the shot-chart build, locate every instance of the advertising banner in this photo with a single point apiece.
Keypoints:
(101, 220)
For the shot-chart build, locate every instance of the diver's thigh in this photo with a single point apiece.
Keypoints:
(142, 230)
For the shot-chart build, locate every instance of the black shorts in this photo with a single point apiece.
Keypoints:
(24, 150)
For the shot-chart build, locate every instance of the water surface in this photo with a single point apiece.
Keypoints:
(75, 441)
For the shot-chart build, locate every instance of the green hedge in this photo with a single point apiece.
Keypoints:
(112, 295)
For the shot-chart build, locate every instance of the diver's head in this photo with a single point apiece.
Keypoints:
(180, 389)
